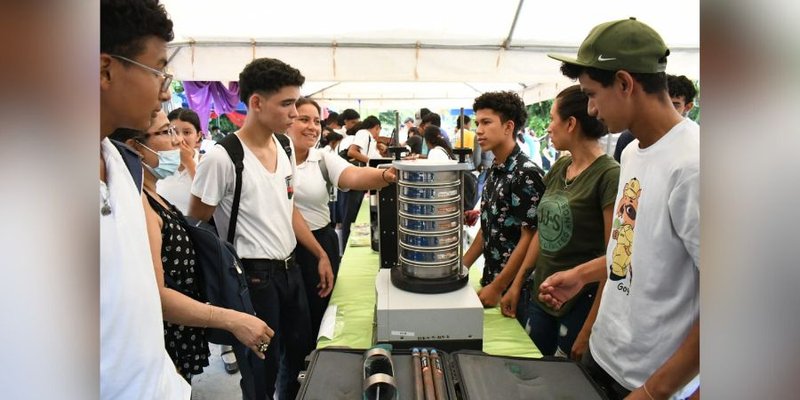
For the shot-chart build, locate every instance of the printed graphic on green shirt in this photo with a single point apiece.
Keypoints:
(555, 222)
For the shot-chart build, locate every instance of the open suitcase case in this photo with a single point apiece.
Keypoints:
(338, 373)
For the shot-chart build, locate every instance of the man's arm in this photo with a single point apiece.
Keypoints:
(490, 294)
(307, 240)
(508, 304)
(581, 343)
(676, 372)
(354, 152)
(474, 251)
(564, 285)
(200, 210)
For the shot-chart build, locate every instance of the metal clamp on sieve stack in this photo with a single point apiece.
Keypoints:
(430, 213)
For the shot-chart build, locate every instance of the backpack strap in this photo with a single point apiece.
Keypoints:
(132, 161)
(233, 146)
(287, 148)
(324, 169)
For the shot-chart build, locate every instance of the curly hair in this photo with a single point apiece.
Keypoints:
(681, 86)
(124, 24)
(185, 115)
(506, 104)
(572, 102)
(651, 83)
(267, 76)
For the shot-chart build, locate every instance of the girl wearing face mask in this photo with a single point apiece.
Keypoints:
(182, 299)
(312, 195)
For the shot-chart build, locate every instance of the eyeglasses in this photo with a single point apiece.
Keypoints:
(171, 131)
(163, 75)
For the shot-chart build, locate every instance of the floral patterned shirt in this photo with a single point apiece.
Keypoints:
(508, 202)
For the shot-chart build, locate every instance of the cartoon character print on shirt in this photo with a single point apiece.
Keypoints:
(624, 224)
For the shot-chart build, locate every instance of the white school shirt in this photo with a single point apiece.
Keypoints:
(438, 153)
(177, 188)
(367, 144)
(647, 310)
(311, 194)
(264, 225)
(134, 363)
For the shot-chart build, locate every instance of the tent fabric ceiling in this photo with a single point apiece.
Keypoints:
(417, 52)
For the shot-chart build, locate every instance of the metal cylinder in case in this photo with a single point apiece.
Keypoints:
(430, 210)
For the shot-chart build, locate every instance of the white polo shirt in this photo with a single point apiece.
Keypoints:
(264, 225)
(367, 144)
(311, 194)
(134, 363)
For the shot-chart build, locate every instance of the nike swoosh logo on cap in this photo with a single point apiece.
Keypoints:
(601, 58)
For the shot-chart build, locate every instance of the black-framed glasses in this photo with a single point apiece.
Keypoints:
(161, 74)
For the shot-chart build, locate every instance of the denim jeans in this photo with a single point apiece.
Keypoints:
(279, 298)
(550, 333)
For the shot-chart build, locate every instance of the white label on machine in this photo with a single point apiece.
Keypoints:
(403, 333)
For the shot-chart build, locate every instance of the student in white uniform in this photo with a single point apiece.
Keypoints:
(312, 194)
(133, 54)
(269, 226)
(438, 147)
(363, 148)
(646, 339)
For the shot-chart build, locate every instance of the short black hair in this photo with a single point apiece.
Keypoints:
(267, 76)
(432, 118)
(572, 102)
(349, 114)
(651, 83)
(185, 115)
(333, 116)
(125, 24)
(458, 121)
(681, 86)
(508, 105)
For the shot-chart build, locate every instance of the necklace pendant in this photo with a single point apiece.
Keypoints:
(105, 210)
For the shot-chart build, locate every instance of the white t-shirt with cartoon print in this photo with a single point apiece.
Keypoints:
(651, 296)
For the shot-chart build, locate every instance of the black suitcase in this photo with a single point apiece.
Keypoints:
(337, 373)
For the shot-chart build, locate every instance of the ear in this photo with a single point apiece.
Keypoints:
(105, 71)
(689, 106)
(625, 81)
(572, 123)
(254, 103)
(509, 126)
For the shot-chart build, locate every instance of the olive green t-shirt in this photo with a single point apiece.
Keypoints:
(571, 226)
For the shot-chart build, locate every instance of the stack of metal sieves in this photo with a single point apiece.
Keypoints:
(430, 210)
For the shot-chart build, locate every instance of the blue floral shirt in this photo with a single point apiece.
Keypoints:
(508, 202)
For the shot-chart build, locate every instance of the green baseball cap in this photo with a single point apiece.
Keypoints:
(624, 44)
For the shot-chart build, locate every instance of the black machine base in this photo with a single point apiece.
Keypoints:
(430, 286)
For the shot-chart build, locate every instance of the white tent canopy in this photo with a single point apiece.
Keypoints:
(412, 53)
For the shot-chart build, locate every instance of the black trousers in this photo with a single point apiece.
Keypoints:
(307, 262)
(279, 298)
(352, 206)
(611, 387)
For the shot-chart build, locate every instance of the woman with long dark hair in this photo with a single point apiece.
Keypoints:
(574, 227)
(438, 147)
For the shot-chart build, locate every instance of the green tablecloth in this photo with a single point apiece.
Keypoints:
(354, 295)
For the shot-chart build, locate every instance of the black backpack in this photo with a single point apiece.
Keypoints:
(222, 274)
